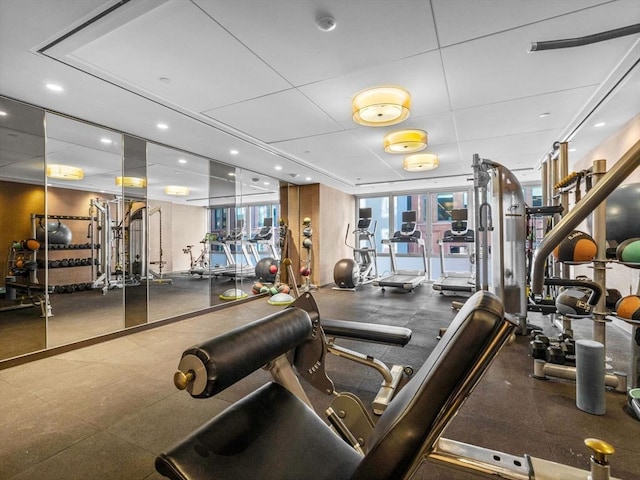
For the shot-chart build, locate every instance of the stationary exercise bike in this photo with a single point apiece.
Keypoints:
(200, 265)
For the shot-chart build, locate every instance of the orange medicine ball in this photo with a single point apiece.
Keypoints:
(577, 247)
(629, 307)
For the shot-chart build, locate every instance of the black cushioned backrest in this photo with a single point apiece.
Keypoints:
(419, 412)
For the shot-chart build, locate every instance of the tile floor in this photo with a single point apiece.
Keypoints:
(105, 411)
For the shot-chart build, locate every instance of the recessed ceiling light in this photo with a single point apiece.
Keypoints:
(231, 174)
(600, 124)
(265, 183)
(3, 114)
(162, 126)
(544, 115)
(278, 167)
(106, 140)
(234, 152)
(54, 88)
(165, 79)
(572, 149)
(308, 178)
(182, 160)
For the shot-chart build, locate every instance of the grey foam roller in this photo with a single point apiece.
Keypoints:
(590, 377)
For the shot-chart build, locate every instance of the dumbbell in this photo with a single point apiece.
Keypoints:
(555, 355)
(64, 262)
(538, 349)
(569, 347)
(69, 288)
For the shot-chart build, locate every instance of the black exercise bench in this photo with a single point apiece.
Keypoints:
(36, 300)
(272, 433)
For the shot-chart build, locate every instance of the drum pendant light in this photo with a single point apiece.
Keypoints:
(176, 190)
(405, 141)
(420, 162)
(381, 106)
(133, 182)
(65, 172)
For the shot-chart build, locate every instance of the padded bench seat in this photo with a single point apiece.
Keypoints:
(272, 434)
(369, 332)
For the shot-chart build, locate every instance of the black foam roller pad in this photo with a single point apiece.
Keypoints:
(232, 356)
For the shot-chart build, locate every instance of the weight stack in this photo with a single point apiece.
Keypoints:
(590, 377)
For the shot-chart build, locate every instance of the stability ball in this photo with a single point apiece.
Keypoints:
(266, 269)
(57, 232)
(346, 273)
(623, 211)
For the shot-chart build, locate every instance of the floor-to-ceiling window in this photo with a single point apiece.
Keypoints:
(434, 218)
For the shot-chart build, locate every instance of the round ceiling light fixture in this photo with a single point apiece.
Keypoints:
(176, 190)
(381, 106)
(405, 141)
(133, 182)
(65, 172)
(420, 162)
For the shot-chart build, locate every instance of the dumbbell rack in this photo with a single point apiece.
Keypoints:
(54, 262)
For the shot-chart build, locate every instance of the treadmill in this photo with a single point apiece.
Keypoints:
(405, 279)
(459, 235)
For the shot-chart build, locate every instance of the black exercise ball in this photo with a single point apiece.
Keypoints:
(613, 295)
(346, 273)
(266, 269)
(574, 302)
(623, 211)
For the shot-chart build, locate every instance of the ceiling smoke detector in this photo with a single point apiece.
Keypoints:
(326, 24)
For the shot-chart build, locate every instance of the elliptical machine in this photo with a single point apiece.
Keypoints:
(348, 273)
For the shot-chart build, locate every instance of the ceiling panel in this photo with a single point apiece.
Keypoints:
(477, 72)
(460, 21)
(203, 66)
(366, 33)
(521, 115)
(277, 117)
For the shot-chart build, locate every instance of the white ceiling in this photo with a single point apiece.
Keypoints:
(261, 77)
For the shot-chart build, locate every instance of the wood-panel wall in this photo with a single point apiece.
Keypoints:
(17, 202)
(330, 211)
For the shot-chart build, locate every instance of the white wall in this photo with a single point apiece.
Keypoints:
(182, 225)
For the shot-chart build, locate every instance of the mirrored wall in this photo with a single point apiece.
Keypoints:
(126, 231)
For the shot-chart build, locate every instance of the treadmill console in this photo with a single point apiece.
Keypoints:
(365, 218)
(459, 230)
(266, 231)
(407, 232)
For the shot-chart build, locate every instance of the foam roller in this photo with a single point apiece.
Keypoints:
(590, 377)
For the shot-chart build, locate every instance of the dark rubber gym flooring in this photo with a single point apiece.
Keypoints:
(105, 411)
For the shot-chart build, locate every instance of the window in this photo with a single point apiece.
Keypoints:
(380, 218)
